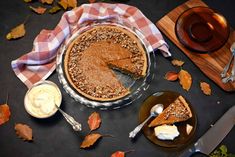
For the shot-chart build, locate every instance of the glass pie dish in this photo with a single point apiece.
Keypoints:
(135, 86)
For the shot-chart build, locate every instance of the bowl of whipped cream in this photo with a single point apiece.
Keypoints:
(41, 98)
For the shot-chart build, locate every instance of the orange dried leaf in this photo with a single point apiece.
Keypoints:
(54, 9)
(90, 140)
(63, 4)
(24, 132)
(39, 10)
(205, 87)
(68, 3)
(177, 62)
(47, 1)
(17, 32)
(118, 154)
(185, 79)
(92, 1)
(171, 76)
(94, 121)
(4, 113)
(72, 3)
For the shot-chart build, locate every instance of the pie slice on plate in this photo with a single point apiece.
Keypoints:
(178, 111)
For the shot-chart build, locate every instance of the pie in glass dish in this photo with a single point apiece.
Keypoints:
(91, 58)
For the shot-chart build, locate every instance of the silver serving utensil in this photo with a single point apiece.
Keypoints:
(76, 126)
(225, 70)
(232, 76)
(155, 110)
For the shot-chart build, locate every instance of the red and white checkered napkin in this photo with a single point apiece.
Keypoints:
(38, 64)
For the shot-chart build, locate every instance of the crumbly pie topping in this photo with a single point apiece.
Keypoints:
(178, 110)
(103, 36)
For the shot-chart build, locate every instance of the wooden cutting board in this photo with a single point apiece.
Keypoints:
(210, 64)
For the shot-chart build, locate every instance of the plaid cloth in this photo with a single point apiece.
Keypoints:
(38, 64)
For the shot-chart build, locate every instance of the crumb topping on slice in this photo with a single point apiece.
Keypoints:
(177, 111)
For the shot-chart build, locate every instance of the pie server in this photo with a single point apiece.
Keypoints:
(209, 141)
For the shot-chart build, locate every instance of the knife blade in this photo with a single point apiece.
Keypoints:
(209, 141)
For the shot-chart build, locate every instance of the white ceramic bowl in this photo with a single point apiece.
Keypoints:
(41, 98)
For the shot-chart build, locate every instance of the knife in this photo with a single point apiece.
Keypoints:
(209, 141)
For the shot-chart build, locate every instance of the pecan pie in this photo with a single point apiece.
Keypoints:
(178, 111)
(90, 59)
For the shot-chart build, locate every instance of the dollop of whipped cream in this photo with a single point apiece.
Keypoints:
(40, 101)
(166, 132)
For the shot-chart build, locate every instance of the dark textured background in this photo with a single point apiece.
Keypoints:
(54, 137)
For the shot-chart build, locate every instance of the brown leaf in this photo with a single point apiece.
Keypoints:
(177, 62)
(4, 113)
(185, 79)
(17, 32)
(72, 3)
(205, 87)
(39, 10)
(68, 3)
(54, 9)
(171, 76)
(118, 154)
(90, 140)
(63, 3)
(94, 121)
(47, 1)
(24, 131)
(27, 1)
(92, 1)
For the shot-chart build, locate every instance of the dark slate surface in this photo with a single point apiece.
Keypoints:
(54, 137)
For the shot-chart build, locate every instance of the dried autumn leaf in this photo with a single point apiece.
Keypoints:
(92, 1)
(72, 3)
(47, 1)
(177, 62)
(54, 9)
(4, 113)
(171, 76)
(24, 131)
(90, 140)
(17, 32)
(68, 3)
(94, 121)
(39, 10)
(185, 79)
(63, 3)
(27, 1)
(205, 87)
(120, 153)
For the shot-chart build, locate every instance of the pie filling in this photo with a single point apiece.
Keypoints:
(90, 58)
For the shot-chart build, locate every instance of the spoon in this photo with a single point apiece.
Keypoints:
(76, 126)
(155, 110)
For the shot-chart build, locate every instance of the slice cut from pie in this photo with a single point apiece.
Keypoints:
(178, 111)
(126, 65)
